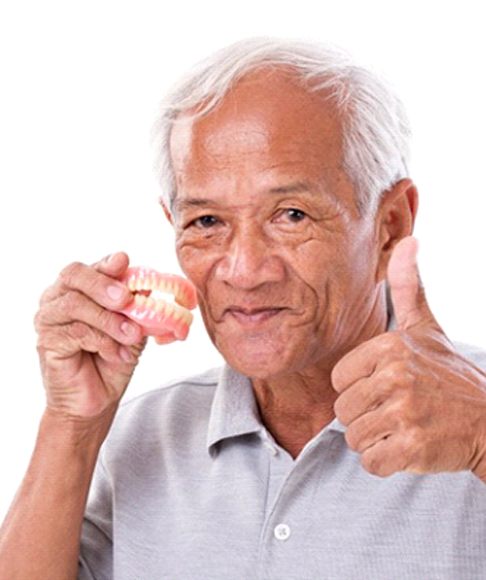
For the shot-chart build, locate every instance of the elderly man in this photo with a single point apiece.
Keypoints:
(345, 437)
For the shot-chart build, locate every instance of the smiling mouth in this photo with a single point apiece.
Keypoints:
(253, 316)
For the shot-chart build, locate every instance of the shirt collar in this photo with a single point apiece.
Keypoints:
(234, 410)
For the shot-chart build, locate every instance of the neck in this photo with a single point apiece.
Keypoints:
(297, 406)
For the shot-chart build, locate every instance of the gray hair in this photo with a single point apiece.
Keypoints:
(375, 126)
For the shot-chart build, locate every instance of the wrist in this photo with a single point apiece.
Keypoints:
(74, 432)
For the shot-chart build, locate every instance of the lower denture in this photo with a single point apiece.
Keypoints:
(166, 321)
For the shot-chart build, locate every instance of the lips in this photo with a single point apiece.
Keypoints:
(251, 316)
(152, 308)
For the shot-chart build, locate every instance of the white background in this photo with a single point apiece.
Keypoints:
(80, 85)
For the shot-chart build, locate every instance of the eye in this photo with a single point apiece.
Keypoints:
(203, 222)
(295, 215)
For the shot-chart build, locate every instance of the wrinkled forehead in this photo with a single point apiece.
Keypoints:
(267, 123)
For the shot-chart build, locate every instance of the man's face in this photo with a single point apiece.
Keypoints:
(267, 228)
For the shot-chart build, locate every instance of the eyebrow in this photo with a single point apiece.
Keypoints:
(294, 187)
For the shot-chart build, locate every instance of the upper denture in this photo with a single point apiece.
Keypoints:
(157, 316)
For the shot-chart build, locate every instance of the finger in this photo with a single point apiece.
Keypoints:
(385, 457)
(364, 395)
(69, 339)
(407, 292)
(113, 265)
(362, 361)
(74, 306)
(368, 429)
(91, 281)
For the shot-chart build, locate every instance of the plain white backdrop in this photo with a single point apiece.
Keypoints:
(81, 82)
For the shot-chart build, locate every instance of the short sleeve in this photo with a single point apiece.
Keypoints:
(96, 549)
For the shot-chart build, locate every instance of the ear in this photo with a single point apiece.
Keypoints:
(166, 210)
(394, 221)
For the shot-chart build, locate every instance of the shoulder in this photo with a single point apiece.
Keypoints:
(177, 410)
(174, 391)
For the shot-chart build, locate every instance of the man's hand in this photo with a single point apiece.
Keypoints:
(87, 351)
(409, 400)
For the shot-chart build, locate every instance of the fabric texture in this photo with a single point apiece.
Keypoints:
(190, 485)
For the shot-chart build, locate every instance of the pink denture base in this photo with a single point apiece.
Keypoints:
(166, 321)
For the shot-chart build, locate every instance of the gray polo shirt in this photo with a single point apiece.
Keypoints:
(190, 485)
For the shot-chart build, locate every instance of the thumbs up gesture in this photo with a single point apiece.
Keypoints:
(409, 400)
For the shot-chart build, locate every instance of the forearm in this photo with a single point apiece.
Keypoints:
(40, 536)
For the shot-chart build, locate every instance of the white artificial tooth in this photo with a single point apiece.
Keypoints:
(159, 306)
(132, 283)
(139, 299)
(178, 313)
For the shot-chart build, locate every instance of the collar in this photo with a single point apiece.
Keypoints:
(234, 410)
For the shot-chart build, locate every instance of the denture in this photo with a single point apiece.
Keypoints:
(152, 307)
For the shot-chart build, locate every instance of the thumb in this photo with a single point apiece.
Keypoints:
(113, 265)
(407, 292)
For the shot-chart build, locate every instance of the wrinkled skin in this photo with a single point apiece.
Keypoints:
(409, 400)
(266, 220)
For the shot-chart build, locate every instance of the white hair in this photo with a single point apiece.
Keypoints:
(375, 127)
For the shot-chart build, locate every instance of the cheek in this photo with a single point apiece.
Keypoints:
(335, 271)
(195, 263)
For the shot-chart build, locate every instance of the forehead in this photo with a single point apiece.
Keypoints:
(267, 127)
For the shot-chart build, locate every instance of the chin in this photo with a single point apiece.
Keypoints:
(259, 360)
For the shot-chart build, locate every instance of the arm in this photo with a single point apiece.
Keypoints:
(87, 361)
(40, 536)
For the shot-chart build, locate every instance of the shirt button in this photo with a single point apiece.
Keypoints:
(282, 532)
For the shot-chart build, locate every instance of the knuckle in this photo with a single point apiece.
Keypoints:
(47, 295)
(396, 344)
(339, 408)
(69, 272)
(45, 341)
(397, 376)
(103, 319)
(107, 344)
(79, 330)
(38, 320)
(405, 402)
(337, 377)
(414, 439)
(373, 463)
(69, 302)
(352, 439)
(387, 343)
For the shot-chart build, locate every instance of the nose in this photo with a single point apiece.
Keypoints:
(249, 261)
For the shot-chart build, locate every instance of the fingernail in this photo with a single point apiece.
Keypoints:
(126, 354)
(115, 292)
(108, 258)
(128, 329)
